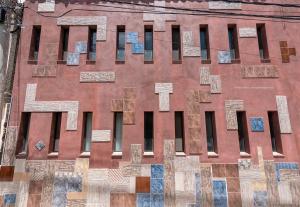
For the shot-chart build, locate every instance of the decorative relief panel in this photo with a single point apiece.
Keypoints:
(286, 52)
(9, 146)
(164, 90)
(259, 71)
(47, 6)
(189, 50)
(101, 135)
(100, 77)
(283, 115)
(215, 84)
(223, 5)
(73, 58)
(224, 57)
(31, 105)
(136, 46)
(204, 75)
(248, 32)
(231, 107)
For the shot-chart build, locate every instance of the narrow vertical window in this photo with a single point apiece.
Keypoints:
(87, 131)
(55, 131)
(275, 131)
(64, 41)
(262, 41)
(148, 55)
(211, 131)
(233, 42)
(204, 44)
(24, 131)
(92, 44)
(35, 43)
(148, 131)
(179, 131)
(2, 15)
(243, 131)
(120, 43)
(118, 131)
(176, 44)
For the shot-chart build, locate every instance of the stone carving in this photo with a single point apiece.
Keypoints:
(100, 77)
(73, 58)
(204, 75)
(9, 146)
(31, 105)
(40, 145)
(231, 106)
(248, 32)
(215, 84)
(81, 47)
(224, 57)
(101, 135)
(283, 115)
(100, 21)
(164, 90)
(136, 153)
(223, 5)
(257, 124)
(259, 71)
(47, 6)
(159, 19)
(188, 49)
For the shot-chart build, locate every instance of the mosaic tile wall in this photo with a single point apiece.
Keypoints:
(178, 182)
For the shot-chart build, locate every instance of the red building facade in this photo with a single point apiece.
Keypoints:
(142, 104)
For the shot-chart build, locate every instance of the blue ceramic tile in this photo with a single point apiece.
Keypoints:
(73, 58)
(157, 200)
(220, 201)
(220, 193)
(284, 165)
(224, 57)
(157, 171)
(143, 200)
(39, 145)
(132, 37)
(81, 47)
(157, 186)
(260, 199)
(137, 48)
(257, 124)
(9, 199)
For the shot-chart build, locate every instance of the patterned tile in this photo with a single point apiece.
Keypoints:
(220, 193)
(257, 124)
(157, 200)
(143, 200)
(157, 171)
(157, 186)
(9, 199)
(285, 165)
(260, 198)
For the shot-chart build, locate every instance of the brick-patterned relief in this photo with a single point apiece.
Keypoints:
(189, 48)
(47, 6)
(164, 90)
(32, 105)
(159, 19)
(286, 52)
(223, 5)
(283, 115)
(259, 71)
(97, 77)
(231, 107)
(247, 32)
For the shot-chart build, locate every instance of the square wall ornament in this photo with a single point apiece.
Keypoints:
(132, 37)
(73, 58)
(224, 57)
(257, 124)
(40, 145)
(137, 48)
(81, 47)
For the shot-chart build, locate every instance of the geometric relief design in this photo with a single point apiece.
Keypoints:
(9, 147)
(188, 49)
(257, 124)
(231, 107)
(9, 199)
(160, 17)
(164, 90)
(286, 52)
(285, 165)
(40, 145)
(220, 193)
(283, 115)
(71, 107)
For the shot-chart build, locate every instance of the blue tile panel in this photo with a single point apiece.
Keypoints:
(132, 37)
(157, 171)
(9, 199)
(157, 185)
(285, 165)
(224, 57)
(137, 48)
(143, 200)
(198, 189)
(73, 58)
(257, 124)
(157, 200)
(63, 185)
(260, 198)
(220, 193)
(81, 47)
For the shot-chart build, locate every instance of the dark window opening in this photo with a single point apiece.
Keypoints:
(55, 131)
(233, 42)
(35, 43)
(179, 131)
(87, 131)
(275, 131)
(262, 41)
(176, 43)
(204, 42)
(2, 15)
(24, 131)
(120, 43)
(211, 131)
(64, 43)
(148, 131)
(118, 131)
(243, 131)
(92, 44)
(148, 53)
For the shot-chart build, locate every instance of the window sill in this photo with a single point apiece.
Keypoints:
(85, 154)
(180, 154)
(32, 62)
(245, 154)
(176, 61)
(61, 62)
(265, 60)
(53, 154)
(148, 61)
(117, 154)
(206, 61)
(276, 154)
(21, 155)
(212, 154)
(148, 154)
(91, 62)
(120, 61)
(236, 61)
